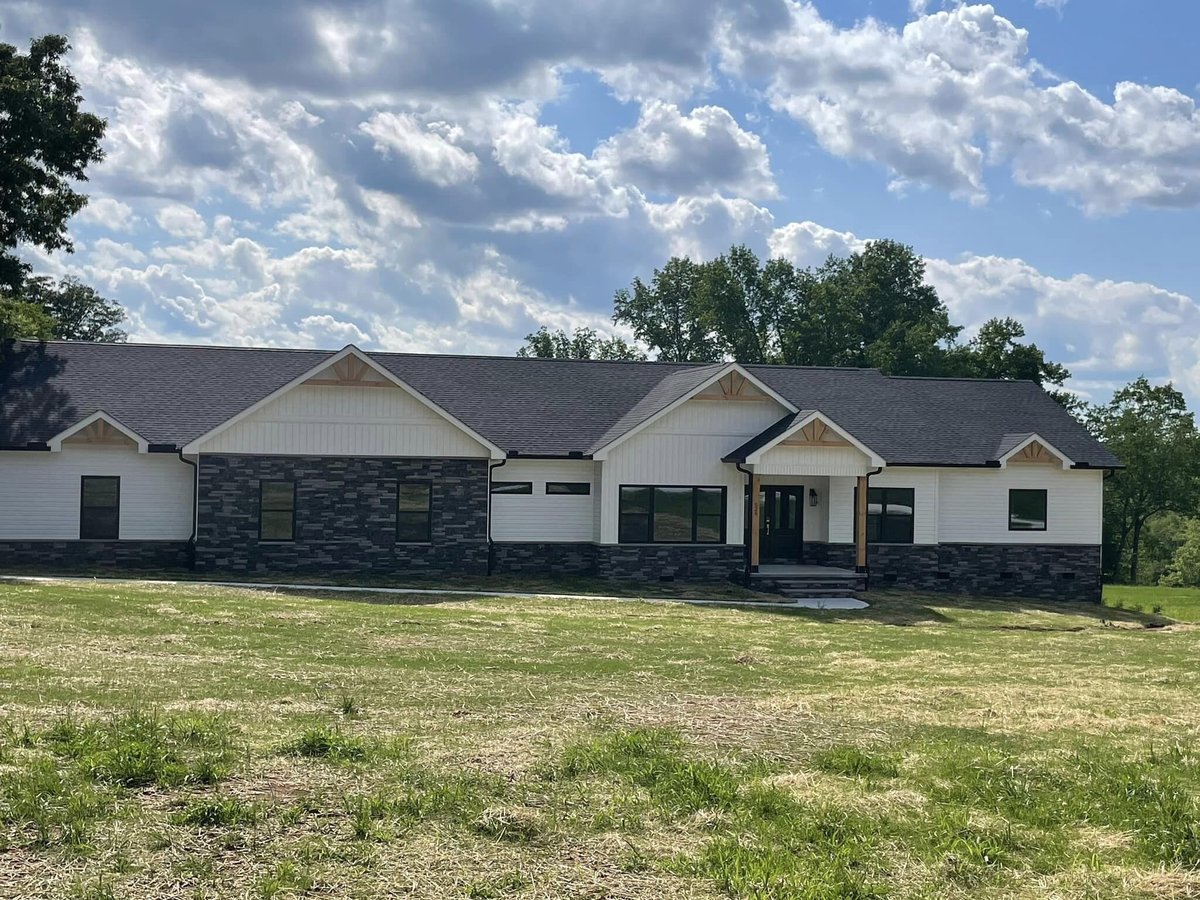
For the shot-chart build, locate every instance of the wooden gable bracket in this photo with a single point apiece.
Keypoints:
(1034, 453)
(817, 433)
(100, 432)
(349, 371)
(734, 386)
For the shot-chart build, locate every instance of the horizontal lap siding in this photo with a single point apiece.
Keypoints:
(685, 447)
(781, 460)
(346, 421)
(974, 505)
(542, 517)
(39, 493)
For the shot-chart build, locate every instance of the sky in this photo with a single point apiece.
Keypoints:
(447, 175)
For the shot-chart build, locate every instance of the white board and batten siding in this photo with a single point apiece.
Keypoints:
(39, 492)
(970, 505)
(785, 459)
(685, 448)
(541, 517)
(328, 420)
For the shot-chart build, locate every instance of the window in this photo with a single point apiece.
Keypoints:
(99, 508)
(276, 510)
(671, 515)
(414, 511)
(512, 487)
(568, 487)
(889, 515)
(1026, 510)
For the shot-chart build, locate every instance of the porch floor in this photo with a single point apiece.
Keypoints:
(801, 571)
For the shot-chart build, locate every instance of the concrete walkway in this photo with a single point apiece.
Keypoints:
(822, 603)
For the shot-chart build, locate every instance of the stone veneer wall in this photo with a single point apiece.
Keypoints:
(1033, 571)
(627, 562)
(94, 555)
(345, 515)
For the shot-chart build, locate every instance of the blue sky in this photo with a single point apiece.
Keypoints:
(445, 175)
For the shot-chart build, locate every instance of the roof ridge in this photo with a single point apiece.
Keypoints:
(960, 378)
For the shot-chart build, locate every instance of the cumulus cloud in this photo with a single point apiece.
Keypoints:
(429, 148)
(951, 92)
(181, 221)
(108, 213)
(698, 153)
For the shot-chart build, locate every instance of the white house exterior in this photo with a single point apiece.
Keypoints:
(241, 460)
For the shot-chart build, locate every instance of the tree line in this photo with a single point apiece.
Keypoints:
(874, 308)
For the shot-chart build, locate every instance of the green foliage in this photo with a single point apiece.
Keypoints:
(79, 312)
(585, 343)
(46, 145)
(321, 742)
(22, 319)
(1152, 432)
(1184, 570)
(218, 812)
(996, 352)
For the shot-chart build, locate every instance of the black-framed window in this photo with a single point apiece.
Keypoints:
(573, 488)
(512, 487)
(890, 515)
(414, 512)
(1026, 510)
(671, 515)
(276, 510)
(99, 507)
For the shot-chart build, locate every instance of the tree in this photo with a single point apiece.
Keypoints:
(996, 352)
(21, 319)
(585, 343)
(79, 312)
(46, 144)
(669, 315)
(1184, 568)
(1151, 431)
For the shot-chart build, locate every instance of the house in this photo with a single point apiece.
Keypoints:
(285, 461)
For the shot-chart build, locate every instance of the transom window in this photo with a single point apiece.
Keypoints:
(568, 487)
(889, 515)
(1026, 510)
(277, 510)
(414, 511)
(99, 507)
(671, 515)
(512, 487)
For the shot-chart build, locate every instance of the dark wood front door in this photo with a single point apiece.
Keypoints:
(781, 527)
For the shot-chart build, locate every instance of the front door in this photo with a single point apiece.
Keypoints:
(781, 527)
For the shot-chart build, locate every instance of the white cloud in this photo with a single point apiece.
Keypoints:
(181, 221)
(955, 91)
(667, 152)
(430, 148)
(107, 212)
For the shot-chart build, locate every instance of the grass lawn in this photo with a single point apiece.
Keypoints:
(195, 742)
(1182, 604)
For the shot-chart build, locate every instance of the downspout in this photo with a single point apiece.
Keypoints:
(868, 487)
(195, 507)
(491, 548)
(749, 485)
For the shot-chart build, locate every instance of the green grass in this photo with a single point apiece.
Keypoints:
(1182, 604)
(195, 742)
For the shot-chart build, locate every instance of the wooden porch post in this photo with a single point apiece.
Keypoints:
(755, 518)
(860, 529)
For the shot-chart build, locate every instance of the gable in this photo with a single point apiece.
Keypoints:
(331, 419)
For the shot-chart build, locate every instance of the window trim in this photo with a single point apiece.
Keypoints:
(1045, 508)
(428, 485)
(586, 485)
(912, 520)
(694, 488)
(262, 482)
(525, 488)
(82, 506)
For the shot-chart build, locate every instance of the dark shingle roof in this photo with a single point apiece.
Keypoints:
(174, 394)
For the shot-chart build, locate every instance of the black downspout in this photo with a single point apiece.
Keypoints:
(867, 571)
(191, 551)
(491, 549)
(747, 537)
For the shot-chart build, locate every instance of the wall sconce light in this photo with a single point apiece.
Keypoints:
(812, 496)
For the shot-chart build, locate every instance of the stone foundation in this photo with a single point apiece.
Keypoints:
(510, 558)
(671, 562)
(116, 556)
(1032, 571)
(345, 516)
